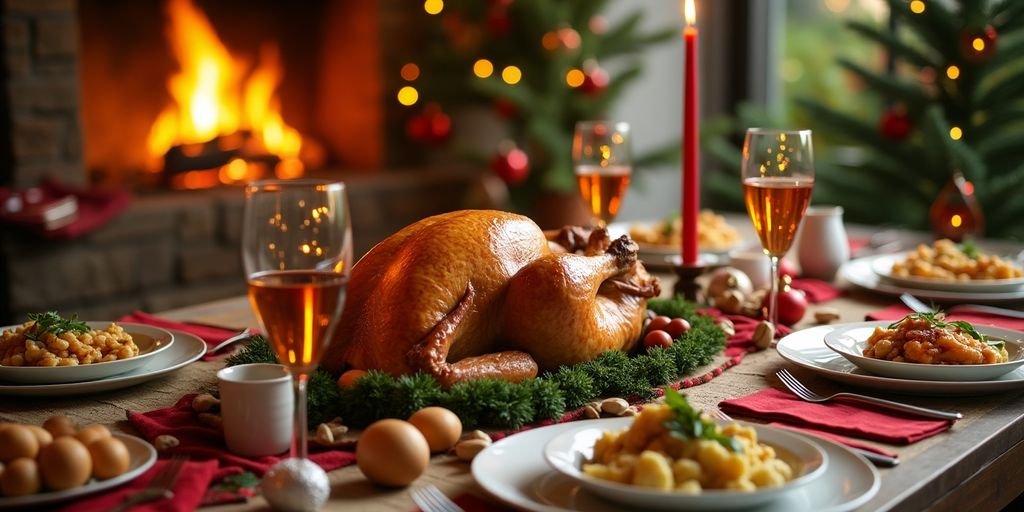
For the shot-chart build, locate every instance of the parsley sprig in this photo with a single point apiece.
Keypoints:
(53, 323)
(937, 319)
(689, 424)
(970, 249)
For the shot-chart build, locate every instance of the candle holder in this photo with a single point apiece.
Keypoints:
(688, 284)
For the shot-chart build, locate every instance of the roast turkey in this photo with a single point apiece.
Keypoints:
(475, 293)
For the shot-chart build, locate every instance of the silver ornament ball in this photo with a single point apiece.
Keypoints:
(296, 485)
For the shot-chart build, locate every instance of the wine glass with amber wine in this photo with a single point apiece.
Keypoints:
(778, 177)
(603, 164)
(297, 250)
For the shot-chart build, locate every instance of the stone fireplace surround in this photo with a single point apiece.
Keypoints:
(167, 249)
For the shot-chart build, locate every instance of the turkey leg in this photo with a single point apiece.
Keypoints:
(430, 354)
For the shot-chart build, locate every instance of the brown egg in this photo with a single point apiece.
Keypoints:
(441, 427)
(109, 458)
(60, 426)
(17, 441)
(42, 435)
(91, 433)
(65, 464)
(392, 452)
(20, 478)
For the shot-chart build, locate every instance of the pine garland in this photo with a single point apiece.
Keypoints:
(500, 404)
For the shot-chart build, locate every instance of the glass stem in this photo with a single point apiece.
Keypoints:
(299, 381)
(773, 292)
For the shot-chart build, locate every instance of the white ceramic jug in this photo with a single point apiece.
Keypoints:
(822, 246)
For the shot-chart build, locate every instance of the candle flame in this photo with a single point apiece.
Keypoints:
(690, 12)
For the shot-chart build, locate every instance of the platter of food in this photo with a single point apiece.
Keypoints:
(950, 267)
(806, 348)
(141, 456)
(862, 273)
(515, 471)
(185, 349)
(730, 465)
(924, 347)
(52, 350)
(660, 241)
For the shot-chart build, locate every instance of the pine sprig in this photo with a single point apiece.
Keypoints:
(501, 404)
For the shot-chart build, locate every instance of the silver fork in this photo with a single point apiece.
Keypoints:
(882, 461)
(159, 488)
(241, 336)
(920, 307)
(810, 396)
(430, 499)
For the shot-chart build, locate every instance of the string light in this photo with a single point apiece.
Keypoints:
(550, 41)
(408, 95)
(953, 72)
(511, 75)
(956, 221)
(410, 72)
(483, 68)
(575, 77)
(955, 133)
(433, 6)
(917, 6)
(978, 44)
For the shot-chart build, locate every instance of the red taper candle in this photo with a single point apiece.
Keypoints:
(691, 139)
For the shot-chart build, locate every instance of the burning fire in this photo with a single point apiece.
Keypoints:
(215, 100)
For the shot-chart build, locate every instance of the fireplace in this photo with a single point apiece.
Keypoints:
(87, 83)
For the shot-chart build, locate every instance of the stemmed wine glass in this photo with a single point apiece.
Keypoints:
(603, 164)
(778, 176)
(297, 250)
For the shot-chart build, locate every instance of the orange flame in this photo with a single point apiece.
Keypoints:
(211, 98)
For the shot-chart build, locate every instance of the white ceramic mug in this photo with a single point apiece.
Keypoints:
(755, 264)
(822, 244)
(256, 403)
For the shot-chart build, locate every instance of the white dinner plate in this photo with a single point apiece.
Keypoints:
(658, 256)
(141, 456)
(806, 348)
(568, 450)
(860, 272)
(849, 341)
(150, 340)
(882, 265)
(186, 349)
(514, 471)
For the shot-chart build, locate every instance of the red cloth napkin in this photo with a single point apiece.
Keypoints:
(95, 208)
(743, 341)
(211, 335)
(898, 311)
(816, 290)
(853, 443)
(203, 442)
(838, 417)
(195, 477)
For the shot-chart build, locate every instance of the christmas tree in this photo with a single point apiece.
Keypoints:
(540, 64)
(941, 150)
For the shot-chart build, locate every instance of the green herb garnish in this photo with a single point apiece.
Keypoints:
(689, 424)
(53, 323)
(969, 249)
(936, 319)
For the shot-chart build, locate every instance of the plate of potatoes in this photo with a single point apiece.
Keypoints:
(97, 351)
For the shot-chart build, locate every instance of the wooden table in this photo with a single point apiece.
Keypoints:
(966, 468)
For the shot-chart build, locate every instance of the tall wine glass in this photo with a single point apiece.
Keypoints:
(778, 176)
(297, 250)
(603, 164)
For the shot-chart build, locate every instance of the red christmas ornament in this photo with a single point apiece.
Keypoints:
(895, 124)
(498, 21)
(432, 126)
(506, 108)
(511, 165)
(791, 304)
(595, 81)
(978, 46)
